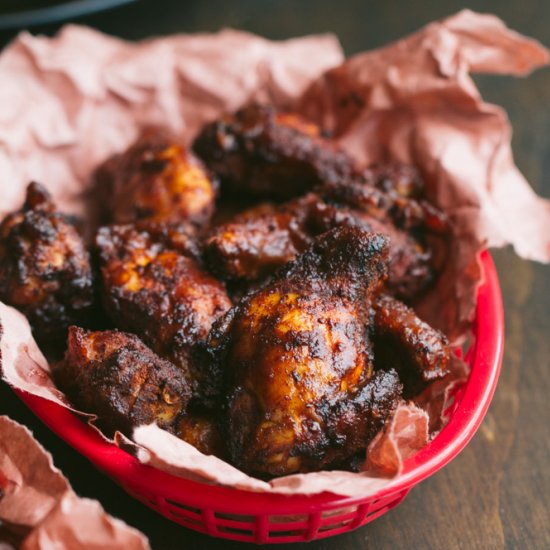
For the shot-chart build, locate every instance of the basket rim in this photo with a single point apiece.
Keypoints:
(486, 350)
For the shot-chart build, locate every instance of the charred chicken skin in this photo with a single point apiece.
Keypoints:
(419, 353)
(156, 180)
(301, 388)
(116, 376)
(45, 268)
(163, 296)
(269, 154)
(383, 193)
(255, 243)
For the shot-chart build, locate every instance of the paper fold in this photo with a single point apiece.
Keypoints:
(38, 508)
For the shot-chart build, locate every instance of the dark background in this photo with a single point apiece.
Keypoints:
(496, 493)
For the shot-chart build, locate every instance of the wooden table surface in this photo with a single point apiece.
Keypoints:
(496, 494)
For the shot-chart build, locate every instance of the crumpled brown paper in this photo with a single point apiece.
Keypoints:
(414, 101)
(38, 508)
(71, 101)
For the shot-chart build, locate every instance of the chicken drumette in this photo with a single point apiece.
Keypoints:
(153, 289)
(116, 376)
(298, 357)
(45, 268)
(418, 352)
(156, 180)
(265, 153)
(255, 243)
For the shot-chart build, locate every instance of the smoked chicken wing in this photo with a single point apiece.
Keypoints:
(155, 291)
(261, 152)
(45, 268)
(419, 353)
(116, 376)
(301, 389)
(254, 244)
(156, 180)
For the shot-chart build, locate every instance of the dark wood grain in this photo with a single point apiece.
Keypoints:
(496, 494)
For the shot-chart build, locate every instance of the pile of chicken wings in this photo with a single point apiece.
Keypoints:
(251, 294)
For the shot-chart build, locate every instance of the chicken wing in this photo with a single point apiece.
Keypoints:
(116, 376)
(299, 361)
(45, 268)
(163, 296)
(265, 153)
(253, 245)
(156, 180)
(418, 352)
(381, 193)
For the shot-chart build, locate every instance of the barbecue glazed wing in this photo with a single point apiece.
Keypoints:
(386, 193)
(116, 376)
(419, 353)
(265, 153)
(418, 231)
(254, 244)
(156, 180)
(45, 268)
(299, 360)
(161, 295)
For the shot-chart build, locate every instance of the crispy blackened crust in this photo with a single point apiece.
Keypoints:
(343, 261)
(352, 423)
(45, 268)
(380, 193)
(116, 376)
(269, 154)
(163, 296)
(156, 180)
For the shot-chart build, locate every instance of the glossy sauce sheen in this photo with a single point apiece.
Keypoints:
(300, 360)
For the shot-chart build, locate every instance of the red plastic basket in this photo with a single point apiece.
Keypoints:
(269, 518)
